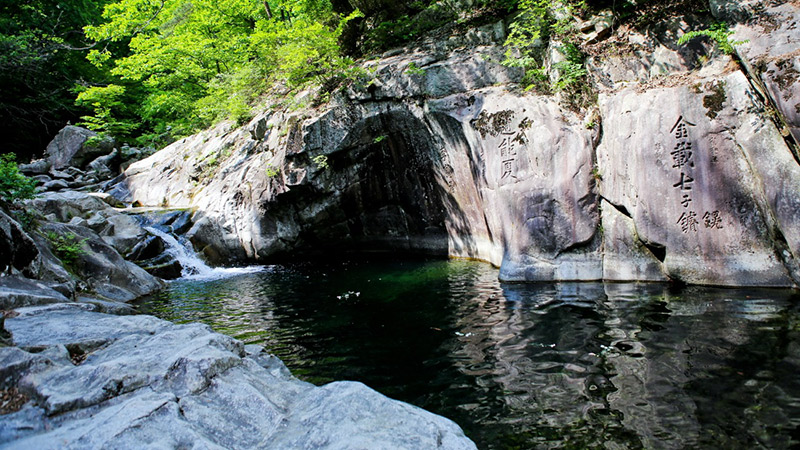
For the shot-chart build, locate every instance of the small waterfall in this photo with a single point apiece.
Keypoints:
(192, 266)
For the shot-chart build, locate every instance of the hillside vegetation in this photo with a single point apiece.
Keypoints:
(151, 71)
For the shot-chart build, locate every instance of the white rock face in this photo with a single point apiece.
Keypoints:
(677, 162)
(768, 46)
(682, 176)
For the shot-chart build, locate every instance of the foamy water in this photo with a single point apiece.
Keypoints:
(194, 268)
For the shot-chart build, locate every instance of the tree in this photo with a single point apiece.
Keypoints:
(202, 60)
(42, 56)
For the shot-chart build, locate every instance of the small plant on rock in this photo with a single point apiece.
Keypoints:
(67, 247)
(413, 69)
(321, 161)
(719, 33)
(596, 174)
(271, 171)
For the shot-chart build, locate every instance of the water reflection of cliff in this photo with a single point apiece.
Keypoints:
(637, 366)
(576, 365)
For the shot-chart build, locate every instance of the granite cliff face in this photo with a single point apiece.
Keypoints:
(684, 169)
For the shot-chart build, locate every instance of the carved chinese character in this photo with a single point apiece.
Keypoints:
(507, 168)
(686, 200)
(688, 221)
(507, 148)
(682, 155)
(712, 220)
(685, 184)
(680, 130)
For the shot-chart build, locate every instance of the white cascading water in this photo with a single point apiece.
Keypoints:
(192, 266)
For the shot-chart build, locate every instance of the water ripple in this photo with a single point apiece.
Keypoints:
(563, 365)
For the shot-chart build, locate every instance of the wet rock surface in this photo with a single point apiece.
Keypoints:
(99, 380)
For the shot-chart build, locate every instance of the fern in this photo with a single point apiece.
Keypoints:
(719, 33)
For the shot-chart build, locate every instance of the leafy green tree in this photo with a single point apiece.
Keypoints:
(203, 60)
(42, 56)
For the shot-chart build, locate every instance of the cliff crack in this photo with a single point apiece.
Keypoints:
(621, 208)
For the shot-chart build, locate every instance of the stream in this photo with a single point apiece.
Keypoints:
(556, 365)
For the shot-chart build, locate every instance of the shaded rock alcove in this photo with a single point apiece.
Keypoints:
(379, 190)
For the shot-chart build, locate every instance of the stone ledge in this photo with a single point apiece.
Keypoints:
(133, 381)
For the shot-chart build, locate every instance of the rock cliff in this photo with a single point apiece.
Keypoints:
(684, 169)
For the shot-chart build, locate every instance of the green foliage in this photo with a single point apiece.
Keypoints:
(570, 71)
(719, 33)
(379, 139)
(67, 247)
(527, 36)
(596, 173)
(27, 218)
(14, 186)
(272, 171)
(528, 39)
(195, 63)
(321, 161)
(413, 70)
(42, 55)
(106, 102)
(419, 18)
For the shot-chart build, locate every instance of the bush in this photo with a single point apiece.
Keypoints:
(67, 247)
(14, 185)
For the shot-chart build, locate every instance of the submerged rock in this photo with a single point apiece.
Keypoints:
(137, 380)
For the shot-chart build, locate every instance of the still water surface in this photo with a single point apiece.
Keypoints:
(565, 365)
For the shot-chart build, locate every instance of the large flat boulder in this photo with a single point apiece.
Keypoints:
(70, 149)
(138, 381)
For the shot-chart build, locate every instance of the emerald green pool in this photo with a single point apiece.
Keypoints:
(563, 365)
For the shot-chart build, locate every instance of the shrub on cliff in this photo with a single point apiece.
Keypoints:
(14, 185)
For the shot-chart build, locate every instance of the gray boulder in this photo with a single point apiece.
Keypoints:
(66, 205)
(101, 267)
(120, 230)
(17, 248)
(55, 185)
(16, 292)
(104, 167)
(36, 167)
(68, 149)
(143, 381)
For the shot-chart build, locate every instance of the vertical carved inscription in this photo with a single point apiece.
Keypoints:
(447, 168)
(683, 161)
(510, 136)
(508, 154)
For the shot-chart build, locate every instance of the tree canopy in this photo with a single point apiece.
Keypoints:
(148, 71)
(42, 56)
(193, 62)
